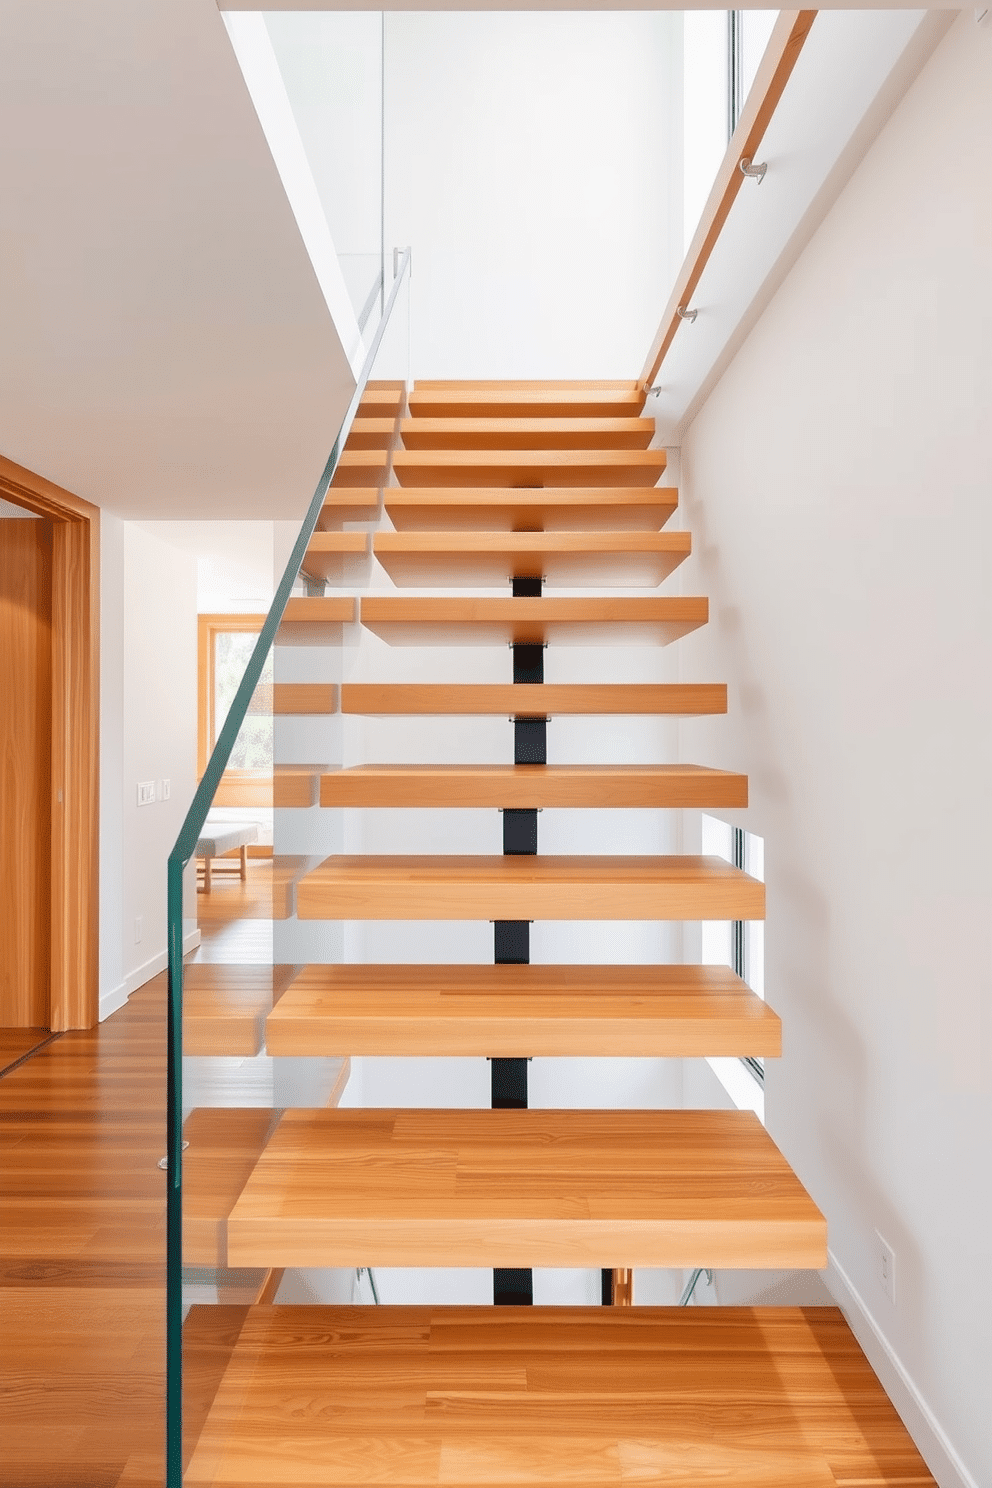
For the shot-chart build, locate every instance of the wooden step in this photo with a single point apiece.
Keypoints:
(533, 700)
(363, 468)
(325, 610)
(548, 887)
(224, 1148)
(513, 509)
(488, 622)
(523, 467)
(504, 401)
(369, 432)
(367, 1187)
(336, 556)
(304, 698)
(520, 1011)
(526, 786)
(225, 1007)
(634, 559)
(348, 504)
(777, 1397)
(297, 785)
(526, 433)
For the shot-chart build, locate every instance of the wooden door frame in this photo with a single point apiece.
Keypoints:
(74, 993)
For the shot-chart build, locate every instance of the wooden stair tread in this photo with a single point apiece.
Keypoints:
(297, 785)
(553, 467)
(304, 698)
(336, 556)
(323, 610)
(526, 433)
(491, 558)
(430, 621)
(224, 1147)
(372, 431)
(517, 509)
(519, 1011)
(357, 467)
(536, 700)
(345, 503)
(778, 1397)
(547, 887)
(224, 1008)
(513, 402)
(367, 1187)
(525, 786)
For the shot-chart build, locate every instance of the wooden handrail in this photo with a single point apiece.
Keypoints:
(786, 42)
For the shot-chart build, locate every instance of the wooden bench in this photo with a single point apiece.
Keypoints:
(220, 837)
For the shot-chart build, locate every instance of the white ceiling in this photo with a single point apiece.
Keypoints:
(165, 349)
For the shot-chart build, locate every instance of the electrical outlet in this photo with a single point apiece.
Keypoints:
(886, 1267)
(166, 790)
(146, 792)
(139, 928)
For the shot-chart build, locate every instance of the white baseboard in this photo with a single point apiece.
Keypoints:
(935, 1447)
(111, 1001)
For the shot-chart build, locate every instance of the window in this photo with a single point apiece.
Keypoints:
(739, 944)
(225, 645)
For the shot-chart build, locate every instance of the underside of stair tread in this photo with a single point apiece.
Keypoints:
(492, 558)
(751, 1397)
(640, 508)
(527, 433)
(426, 621)
(335, 556)
(345, 503)
(523, 1010)
(524, 786)
(501, 468)
(546, 887)
(368, 1187)
(536, 700)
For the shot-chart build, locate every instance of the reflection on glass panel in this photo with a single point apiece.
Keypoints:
(253, 748)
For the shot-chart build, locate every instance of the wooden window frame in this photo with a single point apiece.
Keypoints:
(74, 987)
(247, 788)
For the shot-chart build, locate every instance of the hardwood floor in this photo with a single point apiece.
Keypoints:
(15, 1043)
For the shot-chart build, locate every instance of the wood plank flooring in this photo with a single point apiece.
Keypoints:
(425, 1397)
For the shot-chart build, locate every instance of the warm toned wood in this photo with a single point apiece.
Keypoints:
(304, 697)
(632, 559)
(243, 788)
(506, 433)
(501, 468)
(224, 1148)
(16, 1042)
(524, 786)
(623, 1287)
(348, 504)
(780, 56)
(520, 1011)
(509, 509)
(82, 1280)
(26, 806)
(365, 1187)
(380, 402)
(371, 433)
(506, 401)
(224, 1008)
(297, 785)
(75, 734)
(622, 620)
(305, 610)
(535, 699)
(336, 557)
(681, 1397)
(365, 468)
(548, 887)
(526, 384)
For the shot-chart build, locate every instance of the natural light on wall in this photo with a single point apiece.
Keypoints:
(737, 1078)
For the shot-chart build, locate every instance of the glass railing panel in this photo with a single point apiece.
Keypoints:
(254, 827)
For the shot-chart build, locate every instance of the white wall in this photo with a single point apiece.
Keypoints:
(531, 161)
(837, 482)
(148, 732)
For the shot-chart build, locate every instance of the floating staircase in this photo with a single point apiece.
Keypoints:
(526, 485)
